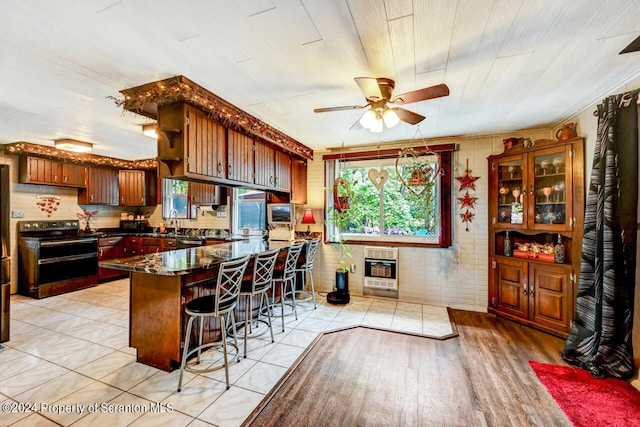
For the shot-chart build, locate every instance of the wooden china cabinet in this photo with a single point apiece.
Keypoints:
(536, 196)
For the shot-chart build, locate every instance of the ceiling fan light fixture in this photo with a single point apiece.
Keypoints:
(367, 119)
(73, 145)
(390, 118)
(377, 126)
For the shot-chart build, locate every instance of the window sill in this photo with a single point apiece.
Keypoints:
(372, 240)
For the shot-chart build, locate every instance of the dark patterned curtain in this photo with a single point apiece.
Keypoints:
(600, 337)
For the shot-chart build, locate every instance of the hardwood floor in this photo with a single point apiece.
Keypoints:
(366, 376)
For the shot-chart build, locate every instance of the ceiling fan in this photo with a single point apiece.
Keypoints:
(381, 112)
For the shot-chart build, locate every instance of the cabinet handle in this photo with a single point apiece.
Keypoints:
(101, 252)
(219, 168)
(230, 170)
(55, 178)
(65, 179)
(524, 287)
(531, 189)
(142, 200)
(92, 197)
(271, 180)
(531, 291)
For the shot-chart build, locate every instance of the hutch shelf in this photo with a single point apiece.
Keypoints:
(536, 199)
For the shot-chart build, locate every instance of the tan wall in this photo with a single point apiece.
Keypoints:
(455, 277)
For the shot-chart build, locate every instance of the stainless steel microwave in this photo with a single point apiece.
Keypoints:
(133, 225)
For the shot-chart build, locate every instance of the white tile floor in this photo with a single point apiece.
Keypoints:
(69, 356)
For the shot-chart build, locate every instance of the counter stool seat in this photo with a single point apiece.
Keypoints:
(221, 304)
(258, 284)
(286, 278)
(304, 268)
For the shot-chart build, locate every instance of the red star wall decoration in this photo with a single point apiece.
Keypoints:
(467, 200)
(467, 217)
(468, 180)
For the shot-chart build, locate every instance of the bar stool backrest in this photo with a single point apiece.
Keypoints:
(263, 270)
(229, 281)
(292, 261)
(311, 254)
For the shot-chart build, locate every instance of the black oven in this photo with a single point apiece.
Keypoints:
(54, 258)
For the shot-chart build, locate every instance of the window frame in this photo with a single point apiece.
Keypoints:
(235, 215)
(444, 200)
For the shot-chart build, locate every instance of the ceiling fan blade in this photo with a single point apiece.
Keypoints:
(408, 116)
(347, 107)
(422, 94)
(369, 86)
(634, 46)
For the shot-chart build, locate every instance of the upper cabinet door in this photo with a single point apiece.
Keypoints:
(283, 171)
(132, 187)
(102, 187)
(240, 157)
(74, 175)
(298, 181)
(507, 205)
(550, 188)
(206, 145)
(265, 164)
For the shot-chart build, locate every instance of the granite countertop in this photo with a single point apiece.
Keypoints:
(185, 261)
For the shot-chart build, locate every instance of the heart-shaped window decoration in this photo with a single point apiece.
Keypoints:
(415, 170)
(378, 178)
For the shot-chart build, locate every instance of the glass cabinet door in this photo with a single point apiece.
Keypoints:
(511, 194)
(551, 182)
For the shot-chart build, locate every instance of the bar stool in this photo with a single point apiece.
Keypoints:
(262, 276)
(287, 277)
(307, 267)
(219, 304)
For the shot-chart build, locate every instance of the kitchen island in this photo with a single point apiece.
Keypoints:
(162, 283)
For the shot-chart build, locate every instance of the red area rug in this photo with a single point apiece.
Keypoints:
(588, 401)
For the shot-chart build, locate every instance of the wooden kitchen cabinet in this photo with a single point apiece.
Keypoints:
(206, 194)
(110, 248)
(535, 292)
(37, 170)
(132, 246)
(298, 181)
(282, 180)
(536, 196)
(265, 170)
(191, 145)
(137, 188)
(101, 189)
(73, 175)
(241, 164)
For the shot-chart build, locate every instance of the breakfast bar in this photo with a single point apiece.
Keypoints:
(160, 286)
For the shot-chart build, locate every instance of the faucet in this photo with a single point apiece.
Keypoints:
(173, 213)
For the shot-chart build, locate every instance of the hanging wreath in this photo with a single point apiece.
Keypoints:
(417, 173)
(341, 191)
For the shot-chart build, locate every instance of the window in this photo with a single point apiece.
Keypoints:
(385, 207)
(175, 195)
(249, 210)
